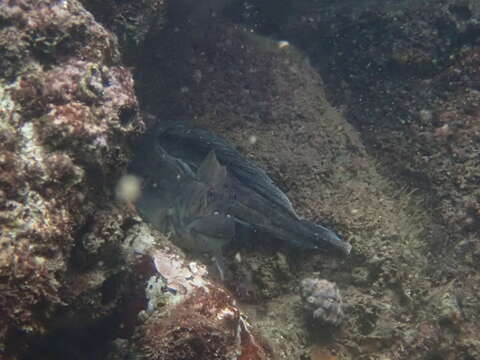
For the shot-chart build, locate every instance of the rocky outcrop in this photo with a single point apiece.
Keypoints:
(68, 108)
(83, 276)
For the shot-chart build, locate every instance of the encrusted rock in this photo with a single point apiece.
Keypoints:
(186, 315)
(131, 21)
(67, 108)
(322, 299)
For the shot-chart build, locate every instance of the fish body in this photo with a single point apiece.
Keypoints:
(177, 200)
(203, 190)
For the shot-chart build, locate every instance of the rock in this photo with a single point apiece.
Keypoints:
(67, 108)
(187, 315)
(321, 298)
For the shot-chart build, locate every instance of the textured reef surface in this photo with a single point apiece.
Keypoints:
(67, 109)
(364, 113)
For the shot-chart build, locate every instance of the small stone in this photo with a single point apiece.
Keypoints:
(323, 300)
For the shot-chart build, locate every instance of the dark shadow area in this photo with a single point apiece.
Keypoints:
(75, 340)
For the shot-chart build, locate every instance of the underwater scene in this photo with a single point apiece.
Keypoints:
(239, 179)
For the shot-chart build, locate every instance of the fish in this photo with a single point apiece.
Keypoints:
(200, 188)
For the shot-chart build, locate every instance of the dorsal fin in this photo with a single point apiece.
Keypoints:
(211, 171)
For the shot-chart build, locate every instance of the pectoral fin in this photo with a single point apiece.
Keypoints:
(218, 227)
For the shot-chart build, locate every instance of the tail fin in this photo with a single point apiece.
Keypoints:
(325, 238)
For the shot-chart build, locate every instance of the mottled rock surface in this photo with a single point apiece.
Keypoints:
(403, 77)
(407, 77)
(131, 21)
(67, 109)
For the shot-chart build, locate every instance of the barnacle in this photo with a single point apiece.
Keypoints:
(92, 83)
